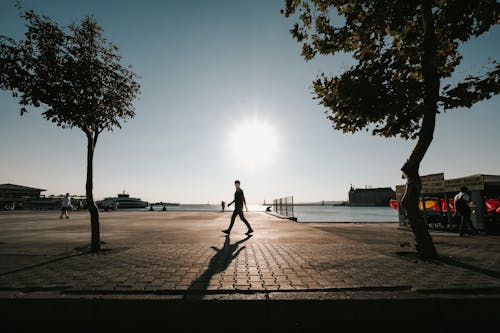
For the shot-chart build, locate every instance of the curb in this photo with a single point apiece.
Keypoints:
(106, 313)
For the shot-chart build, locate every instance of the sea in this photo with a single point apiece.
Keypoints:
(359, 214)
(310, 213)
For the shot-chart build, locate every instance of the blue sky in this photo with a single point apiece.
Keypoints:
(207, 67)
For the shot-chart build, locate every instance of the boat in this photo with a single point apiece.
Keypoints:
(122, 200)
(161, 203)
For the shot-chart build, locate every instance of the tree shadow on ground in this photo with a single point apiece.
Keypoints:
(218, 263)
(446, 260)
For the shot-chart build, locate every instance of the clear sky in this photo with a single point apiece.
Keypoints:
(211, 72)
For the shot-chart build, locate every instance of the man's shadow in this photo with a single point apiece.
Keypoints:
(218, 263)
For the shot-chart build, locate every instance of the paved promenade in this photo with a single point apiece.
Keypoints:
(184, 256)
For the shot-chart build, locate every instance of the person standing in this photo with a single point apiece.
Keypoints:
(223, 205)
(462, 208)
(65, 206)
(239, 201)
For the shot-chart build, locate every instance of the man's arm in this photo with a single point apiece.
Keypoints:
(230, 203)
(238, 252)
(244, 201)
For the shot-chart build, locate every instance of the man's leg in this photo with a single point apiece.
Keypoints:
(461, 226)
(242, 217)
(233, 217)
(470, 226)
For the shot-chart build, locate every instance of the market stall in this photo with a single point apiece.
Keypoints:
(437, 205)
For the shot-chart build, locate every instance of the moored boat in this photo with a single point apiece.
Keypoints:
(122, 200)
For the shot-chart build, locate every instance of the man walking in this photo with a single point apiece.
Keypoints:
(462, 208)
(65, 206)
(239, 201)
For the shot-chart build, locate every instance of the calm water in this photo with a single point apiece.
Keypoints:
(312, 213)
(345, 214)
(198, 207)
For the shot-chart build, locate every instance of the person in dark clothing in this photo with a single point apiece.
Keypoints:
(239, 201)
(462, 209)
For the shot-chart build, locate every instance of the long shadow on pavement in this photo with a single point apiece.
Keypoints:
(444, 260)
(218, 263)
(47, 262)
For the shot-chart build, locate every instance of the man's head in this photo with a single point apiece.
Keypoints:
(464, 189)
(67, 194)
(237, 183)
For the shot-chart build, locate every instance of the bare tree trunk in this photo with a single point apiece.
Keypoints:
(94, 212)
(425, 246)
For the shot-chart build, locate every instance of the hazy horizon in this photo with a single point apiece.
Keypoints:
(211, 74)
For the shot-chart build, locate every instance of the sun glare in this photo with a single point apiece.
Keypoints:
(253, 142)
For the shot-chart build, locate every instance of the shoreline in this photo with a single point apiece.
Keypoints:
(295, 219)
(139, 211)
(347, 222)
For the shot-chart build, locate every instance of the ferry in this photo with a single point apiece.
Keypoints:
(122, 200)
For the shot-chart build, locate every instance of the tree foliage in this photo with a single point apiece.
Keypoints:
(402, 50)
(74, 73)
(384, 90)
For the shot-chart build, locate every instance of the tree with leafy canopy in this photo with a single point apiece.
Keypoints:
(402, 50)
(74, 74)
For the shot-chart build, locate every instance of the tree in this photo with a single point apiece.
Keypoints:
(75, 75)
(402, 50)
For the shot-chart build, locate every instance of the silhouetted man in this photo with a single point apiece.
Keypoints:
(239, 201)
(462, 208)
(65, 206)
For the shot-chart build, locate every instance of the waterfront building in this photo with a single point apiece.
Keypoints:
(379, 196)
(13, 192)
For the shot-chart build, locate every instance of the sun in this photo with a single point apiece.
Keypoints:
(253, 142)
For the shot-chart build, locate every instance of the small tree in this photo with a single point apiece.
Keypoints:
(403, 49)
(75, 75)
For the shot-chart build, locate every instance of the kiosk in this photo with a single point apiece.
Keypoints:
(437, 206)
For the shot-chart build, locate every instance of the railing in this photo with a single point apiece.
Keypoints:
(283, 206)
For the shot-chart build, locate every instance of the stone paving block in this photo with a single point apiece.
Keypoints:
(241, 282)
(227, 285)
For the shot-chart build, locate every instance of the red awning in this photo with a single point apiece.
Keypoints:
(492, 205)
(393, 203)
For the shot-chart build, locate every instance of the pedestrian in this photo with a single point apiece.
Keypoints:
(239, 201)
(65, 206)
(223, 205)
(463, 210)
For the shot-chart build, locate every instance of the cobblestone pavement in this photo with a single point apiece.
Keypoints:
(185, 253)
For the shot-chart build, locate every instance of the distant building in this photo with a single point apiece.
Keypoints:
(12, 192)
(371, 196)
(16, 196)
